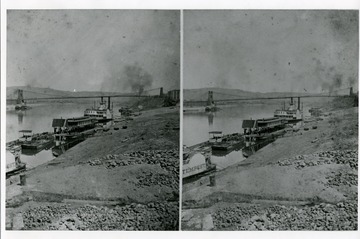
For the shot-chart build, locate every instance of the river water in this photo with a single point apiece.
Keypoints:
(228, 119)
(39, 119)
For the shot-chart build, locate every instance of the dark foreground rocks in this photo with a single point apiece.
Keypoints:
(349, 157)
(166, 159)
(340, 216)
(151, 216)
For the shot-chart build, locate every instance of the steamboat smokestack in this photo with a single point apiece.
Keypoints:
(299, 103)
(109, 103)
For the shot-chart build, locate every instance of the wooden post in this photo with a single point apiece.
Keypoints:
(22, 179)
(212, 181)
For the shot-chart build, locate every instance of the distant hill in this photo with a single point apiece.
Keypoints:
(36, 92)
(220, 94)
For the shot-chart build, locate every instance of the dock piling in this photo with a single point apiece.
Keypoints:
(22, 179)
(212, 181)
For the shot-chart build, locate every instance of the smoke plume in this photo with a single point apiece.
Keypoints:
(351, 81)
(137, 78)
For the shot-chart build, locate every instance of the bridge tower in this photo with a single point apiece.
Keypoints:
(210, 100)
(20, 98)
(109, 107)
(351, 91)
(161, 92)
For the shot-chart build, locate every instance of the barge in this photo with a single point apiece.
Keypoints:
(38, 142)
(72, 127)
(261, 129)
(31, 143)
(70, 132)
(219, 142)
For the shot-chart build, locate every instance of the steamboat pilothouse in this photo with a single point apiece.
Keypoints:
(102, 113)
(291, 114)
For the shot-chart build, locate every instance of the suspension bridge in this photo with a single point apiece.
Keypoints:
(213, 97)
(39, 96)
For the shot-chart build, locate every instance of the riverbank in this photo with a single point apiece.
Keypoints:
(122, 179)
(306, 180)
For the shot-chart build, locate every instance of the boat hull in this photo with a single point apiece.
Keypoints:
(37, 145)
(21, 168)
(194, 177)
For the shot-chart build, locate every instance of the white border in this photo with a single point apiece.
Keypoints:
(153, 4)
(178, 4)
(181, 114)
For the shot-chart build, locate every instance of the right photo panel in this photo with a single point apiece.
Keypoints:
(270, 120)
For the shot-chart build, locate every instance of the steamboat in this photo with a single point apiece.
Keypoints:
(101, 113)
(13, 162)
(291, 113)
(260, 129)
(196, 164)
(71, 131)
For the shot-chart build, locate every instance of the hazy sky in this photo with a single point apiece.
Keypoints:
(93, 49)
(271, 50)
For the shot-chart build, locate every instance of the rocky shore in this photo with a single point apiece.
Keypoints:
(166, 159)
(151, 216)
(333, 217)
(126, 179)
(303, 181)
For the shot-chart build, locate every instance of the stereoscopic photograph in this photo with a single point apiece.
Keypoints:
(92, 119)
(270, 120)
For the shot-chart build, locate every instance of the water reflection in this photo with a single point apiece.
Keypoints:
(252, 147)
(31, 152)
(20, 117)
(211, 118)
(63, 146)
(224, 159)
(39, 119)
(229, 120)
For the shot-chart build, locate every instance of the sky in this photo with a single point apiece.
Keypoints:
(271, 50)
(92, 50)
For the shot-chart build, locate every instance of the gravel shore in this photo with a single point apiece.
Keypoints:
(305, 180)
(124, 179)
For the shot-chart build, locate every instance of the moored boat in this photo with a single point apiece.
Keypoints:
(196, 164)
(220, 142)
(261, 129)
(13, 162)
(291, 113)
(38, 142)
(101, 113)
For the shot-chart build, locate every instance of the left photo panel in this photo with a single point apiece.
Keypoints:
(92, 119)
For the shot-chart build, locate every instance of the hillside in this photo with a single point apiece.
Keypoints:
(220, 93)
(36, 92)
